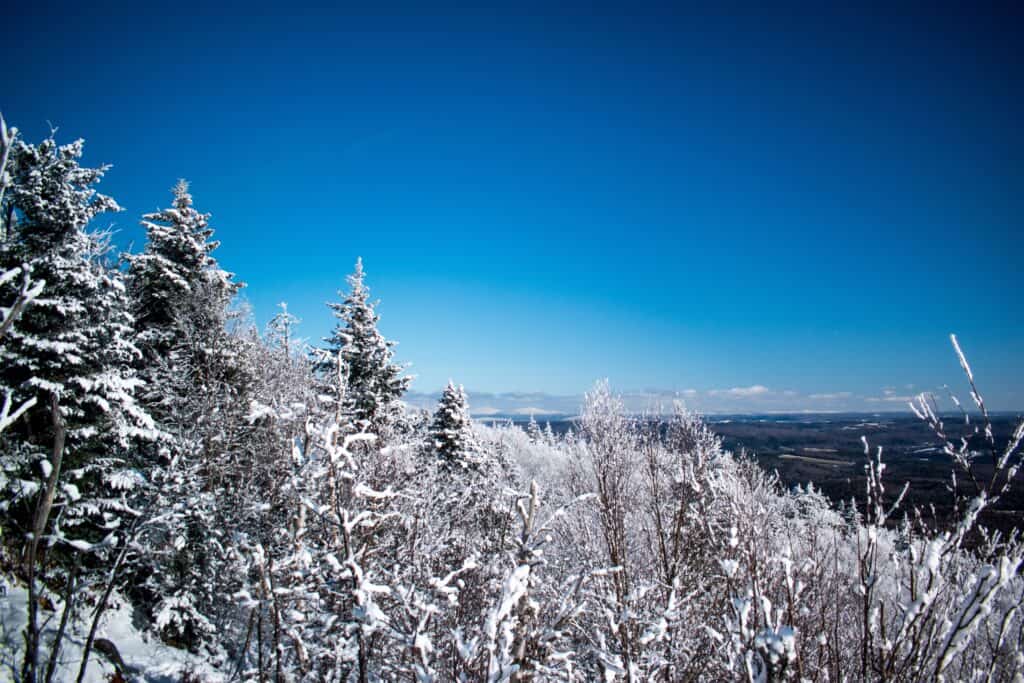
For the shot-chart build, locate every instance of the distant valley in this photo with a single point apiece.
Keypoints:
(826, 450)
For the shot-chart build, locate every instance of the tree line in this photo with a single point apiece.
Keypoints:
(280, 512)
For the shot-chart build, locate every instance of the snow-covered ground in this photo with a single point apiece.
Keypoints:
(145, 658)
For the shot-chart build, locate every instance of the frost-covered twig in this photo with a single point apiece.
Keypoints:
(944, 594)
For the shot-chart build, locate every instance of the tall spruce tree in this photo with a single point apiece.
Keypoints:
(198, 386)
(67, 469)
(373, 383)
(177, 287)
(74, 344)
(180, 298)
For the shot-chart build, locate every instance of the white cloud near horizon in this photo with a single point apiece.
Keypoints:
(742, 392)
(834, 396)
(752, 399)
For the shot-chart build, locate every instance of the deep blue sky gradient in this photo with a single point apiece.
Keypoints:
(800, 197)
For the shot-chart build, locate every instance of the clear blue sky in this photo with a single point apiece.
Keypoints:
(712, 201)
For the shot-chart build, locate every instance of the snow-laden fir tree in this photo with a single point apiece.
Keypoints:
(451, 431)
(180, 297)
(460, 456)
(67, 469)
(198, 385)
(176, 278)
(373, 384)
(75, 342)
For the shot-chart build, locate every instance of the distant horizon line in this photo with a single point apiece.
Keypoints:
(522, 417)
(741, 402)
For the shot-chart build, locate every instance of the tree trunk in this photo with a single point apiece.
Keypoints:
(30, 665)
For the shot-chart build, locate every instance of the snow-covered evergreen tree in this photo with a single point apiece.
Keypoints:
(280, 332)
(533, 430)
(465, 518)
(198, 391)
(550, 439)
(75, 341)
(176, 277)
(180, 297)
(374, 384)
(451, 431)
(27, 289)
(68, 466)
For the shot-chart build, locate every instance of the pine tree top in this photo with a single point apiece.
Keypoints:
(182, 198)
(355, 280)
